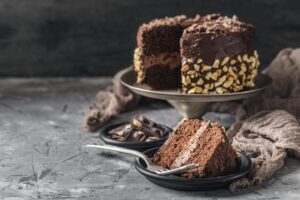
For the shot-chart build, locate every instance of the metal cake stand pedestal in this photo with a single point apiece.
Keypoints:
(192, 105)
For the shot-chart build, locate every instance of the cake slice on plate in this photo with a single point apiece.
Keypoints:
(202, 142)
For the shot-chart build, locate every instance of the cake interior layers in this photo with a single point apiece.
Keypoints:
(196, 141)
(222, 76)
(159, 72)
(160, 36)
(157, 58)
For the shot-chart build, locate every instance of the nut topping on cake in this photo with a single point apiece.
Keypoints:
(232, 78)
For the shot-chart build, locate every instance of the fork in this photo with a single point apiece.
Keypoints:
(149, 164)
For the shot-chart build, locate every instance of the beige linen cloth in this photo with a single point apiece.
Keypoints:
(271, 129)
(109, 103)
(268, 125)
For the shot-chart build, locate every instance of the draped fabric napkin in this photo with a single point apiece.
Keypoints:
(268, 134)
(109, 103)
(268, 127)
(267, 137)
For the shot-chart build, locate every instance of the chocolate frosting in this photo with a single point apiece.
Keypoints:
(217, 37)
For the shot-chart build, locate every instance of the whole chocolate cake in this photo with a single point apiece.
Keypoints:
(201, 142)
(209, 54)
(157, 58)
(218, 56)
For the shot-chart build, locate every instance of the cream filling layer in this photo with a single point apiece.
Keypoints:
(190, 147)
(141, 62)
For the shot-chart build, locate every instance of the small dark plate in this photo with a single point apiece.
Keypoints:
(193, 184)
(139, 146)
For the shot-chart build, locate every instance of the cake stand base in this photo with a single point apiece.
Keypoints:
(190, 109)
(192, 105)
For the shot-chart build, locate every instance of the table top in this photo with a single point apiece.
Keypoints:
(41, 154)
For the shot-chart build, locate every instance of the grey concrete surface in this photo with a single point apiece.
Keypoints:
(97, 37)
(41, 154)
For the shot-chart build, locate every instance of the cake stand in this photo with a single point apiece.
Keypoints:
(192, 105)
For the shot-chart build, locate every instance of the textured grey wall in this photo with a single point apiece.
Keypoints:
(97, 37)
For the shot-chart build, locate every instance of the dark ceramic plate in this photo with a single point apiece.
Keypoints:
(193, 184)
(139, 146)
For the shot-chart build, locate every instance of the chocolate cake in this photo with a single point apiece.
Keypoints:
(198, 141)
(215, 52)
(157, 58)
(218, 56)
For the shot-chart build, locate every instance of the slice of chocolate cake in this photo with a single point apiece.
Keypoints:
(218, 56)
(157, 58)
(198, 141)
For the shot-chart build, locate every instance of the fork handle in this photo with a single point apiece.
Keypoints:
(122, 150)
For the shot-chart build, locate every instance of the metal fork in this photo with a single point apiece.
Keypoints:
(149, 164)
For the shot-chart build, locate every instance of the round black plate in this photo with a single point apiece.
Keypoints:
(139, 146)
(193, 184)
